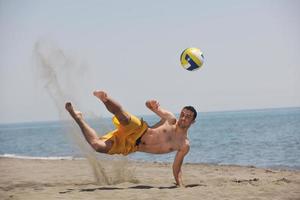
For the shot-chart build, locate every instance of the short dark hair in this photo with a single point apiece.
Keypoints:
(191, 108)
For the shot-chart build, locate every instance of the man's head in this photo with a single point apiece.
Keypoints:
(187, 117)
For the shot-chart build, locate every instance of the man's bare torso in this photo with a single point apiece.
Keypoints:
(164, 138)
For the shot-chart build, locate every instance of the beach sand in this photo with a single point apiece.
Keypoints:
(74, 179)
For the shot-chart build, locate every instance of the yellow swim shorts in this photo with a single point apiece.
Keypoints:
(124, 137)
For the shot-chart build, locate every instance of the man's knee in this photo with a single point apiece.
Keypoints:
(113, 107)
(98, 146)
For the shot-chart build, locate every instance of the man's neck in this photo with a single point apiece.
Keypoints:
(181, 130)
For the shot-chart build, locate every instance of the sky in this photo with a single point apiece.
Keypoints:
(131, 49)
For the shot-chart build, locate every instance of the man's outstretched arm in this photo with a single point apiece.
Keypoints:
(154, 106)
(178, 163)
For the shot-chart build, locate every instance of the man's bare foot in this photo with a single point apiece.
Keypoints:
(74, 113)
(100, 95)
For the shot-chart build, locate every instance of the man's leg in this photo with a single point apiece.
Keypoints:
(113, 107)
(89, 133)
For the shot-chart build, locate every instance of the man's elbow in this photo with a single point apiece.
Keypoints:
(185, 149)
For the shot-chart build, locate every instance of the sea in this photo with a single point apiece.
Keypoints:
(267, 138)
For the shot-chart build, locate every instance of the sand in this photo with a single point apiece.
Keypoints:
(74, 179)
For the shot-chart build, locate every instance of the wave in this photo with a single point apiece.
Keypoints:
(40, 158)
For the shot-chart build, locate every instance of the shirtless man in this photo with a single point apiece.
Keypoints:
(132, 134)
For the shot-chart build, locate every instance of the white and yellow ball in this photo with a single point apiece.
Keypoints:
(192, 59)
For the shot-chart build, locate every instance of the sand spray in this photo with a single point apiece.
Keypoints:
(60, 76)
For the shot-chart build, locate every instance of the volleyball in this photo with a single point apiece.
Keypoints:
(191, 59)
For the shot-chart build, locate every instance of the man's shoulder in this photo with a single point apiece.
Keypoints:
(169, 126)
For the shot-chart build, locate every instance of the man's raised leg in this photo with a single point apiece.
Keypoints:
(89, 133)
(113, 107)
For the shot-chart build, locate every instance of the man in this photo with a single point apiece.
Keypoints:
(132, 134)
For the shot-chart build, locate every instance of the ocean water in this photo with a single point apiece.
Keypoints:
(262, 138)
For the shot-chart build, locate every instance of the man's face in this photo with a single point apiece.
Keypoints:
(186, 118)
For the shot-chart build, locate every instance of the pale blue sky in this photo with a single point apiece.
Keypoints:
(132, 49)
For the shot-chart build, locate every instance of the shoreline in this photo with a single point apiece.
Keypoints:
(69, 179)
(14, 156)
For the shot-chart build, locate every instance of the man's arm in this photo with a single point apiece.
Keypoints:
(154, 106)
(178, 163)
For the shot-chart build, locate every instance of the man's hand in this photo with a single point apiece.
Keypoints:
(152, 105)
(181, 185)
(162, 113)
(178, 162)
